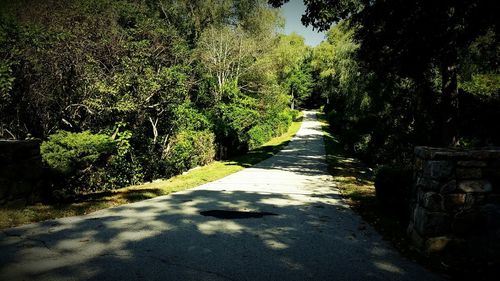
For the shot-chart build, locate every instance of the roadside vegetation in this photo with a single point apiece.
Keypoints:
(122, 92)
(356, 182)
(90, 202)
(386, 90)
(394, 75)
(125, 92)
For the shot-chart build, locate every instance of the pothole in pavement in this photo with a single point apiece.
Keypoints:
(229, 214)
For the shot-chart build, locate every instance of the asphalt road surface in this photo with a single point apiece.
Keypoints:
(305, 232)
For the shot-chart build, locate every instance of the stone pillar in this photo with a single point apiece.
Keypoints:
(20, 171)
(455, 198)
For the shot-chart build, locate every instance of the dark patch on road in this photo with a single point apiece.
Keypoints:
(228, 214)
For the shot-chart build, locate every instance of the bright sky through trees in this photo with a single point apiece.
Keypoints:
(292, 11)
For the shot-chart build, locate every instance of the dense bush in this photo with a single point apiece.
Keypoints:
(295, 114)
(165, 93)
(380, 116)
(232, 122)
(392, 186)
(68, 152)
(76, 158)
(282, 121)
(119, 171)
(190, 149)
(271, 127)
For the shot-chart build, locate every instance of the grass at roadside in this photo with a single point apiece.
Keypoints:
(12, 216)
(356, 185)
(355, 182)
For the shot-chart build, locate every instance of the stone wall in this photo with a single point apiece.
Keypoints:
(20, 171)
(456, 199)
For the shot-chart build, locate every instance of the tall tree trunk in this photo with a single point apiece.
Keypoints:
(449, 99)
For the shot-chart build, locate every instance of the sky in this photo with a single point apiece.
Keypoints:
(293, 11)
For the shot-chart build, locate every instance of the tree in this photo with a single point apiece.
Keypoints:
(299, 85)
(161, 79)
(336, 62)
(411, 39)
(289, 61)
(226, 53)
(193, 17)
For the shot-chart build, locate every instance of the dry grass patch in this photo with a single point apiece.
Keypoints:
(356, 183)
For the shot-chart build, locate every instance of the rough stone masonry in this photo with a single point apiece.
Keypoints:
(456, 200)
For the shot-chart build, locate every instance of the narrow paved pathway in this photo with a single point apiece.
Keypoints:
(313, 236)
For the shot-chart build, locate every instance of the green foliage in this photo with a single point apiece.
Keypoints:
(478, 71)
(190, 149)
(171, 83)
(289, 53)
(483, 84)
(189, 118)
(119, 171)
(91, 162)
(68, 152)
(339, 71)
(457, 49)
(259, 134)
(381, 117)
(233, 122)
(272, 127)
(122, 139)
(299, 84)
(293, 73)
(6, 81)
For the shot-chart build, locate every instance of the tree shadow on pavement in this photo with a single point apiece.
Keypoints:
(313, 236)
(167, 238)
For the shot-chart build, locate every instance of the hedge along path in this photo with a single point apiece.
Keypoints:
(14, 216)
(282, 219)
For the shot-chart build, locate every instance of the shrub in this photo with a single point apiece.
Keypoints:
(231, 125)
(82, 162)
(258, 135)
(269, 128)
(186, 117)
(190, 149)
(295, 114)
(67, 152)
(392, 186)
(117, 172)
(282, 122)
(120, 170)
